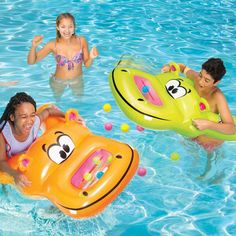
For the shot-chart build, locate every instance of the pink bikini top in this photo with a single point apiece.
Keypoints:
(62, 60)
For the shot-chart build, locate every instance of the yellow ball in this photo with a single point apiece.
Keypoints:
(174, 156)
(124, 127)
(96, 161)
(107, 107)
(109, 159)
(87, 176)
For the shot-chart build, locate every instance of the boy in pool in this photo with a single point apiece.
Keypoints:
(205, 83)
(19, 126)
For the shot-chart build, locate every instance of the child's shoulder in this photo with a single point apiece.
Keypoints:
(81, 38)
(218, 95)
(51, 44)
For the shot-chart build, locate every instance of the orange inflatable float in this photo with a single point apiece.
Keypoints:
(81, 173)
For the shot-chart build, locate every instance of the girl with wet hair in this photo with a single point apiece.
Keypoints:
(19, 127)
(70, 52)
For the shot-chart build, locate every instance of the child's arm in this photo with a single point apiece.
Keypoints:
(226, 125)
(191, 74)
(35, 56)
(88, 56)
(19, 178)
(54, 111)
(50, 111)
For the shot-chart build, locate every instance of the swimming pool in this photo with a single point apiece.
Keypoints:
(173, 198)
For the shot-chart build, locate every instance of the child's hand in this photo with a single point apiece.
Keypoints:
(81, 121)
(165, 68)
(37, 40)
(21, 180)
(93, 53)
(202, 124)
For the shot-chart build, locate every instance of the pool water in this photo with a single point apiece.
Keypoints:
(194, 195)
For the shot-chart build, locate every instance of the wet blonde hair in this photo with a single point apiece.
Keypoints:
(62, 16)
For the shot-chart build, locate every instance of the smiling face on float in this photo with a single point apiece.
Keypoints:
(78, 170)
(163, 100)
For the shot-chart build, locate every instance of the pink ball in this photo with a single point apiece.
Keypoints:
(139, 128)
(142, 171)
(108, 126)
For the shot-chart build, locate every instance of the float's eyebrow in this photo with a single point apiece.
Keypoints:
(44, 148)
(58, 132)
(44, 145)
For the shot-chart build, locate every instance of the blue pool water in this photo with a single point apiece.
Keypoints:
(173, 198)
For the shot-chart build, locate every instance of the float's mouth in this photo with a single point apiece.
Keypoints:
(92, 196)
(127, 102)
(147, 90)
(92, 169)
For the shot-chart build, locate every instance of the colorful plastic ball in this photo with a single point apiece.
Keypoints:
(107, 107)
(108, 126)
(109, 159)
(142, 171)
(87, 176)
(99, 174)
(174, 156)
(139, 128)
(145, 89)
(124, 127)
(96, 161)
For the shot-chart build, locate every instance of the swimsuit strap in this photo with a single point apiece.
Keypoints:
(80, 43)
(55, 46)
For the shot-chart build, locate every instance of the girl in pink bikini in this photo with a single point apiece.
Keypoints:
(70, 51)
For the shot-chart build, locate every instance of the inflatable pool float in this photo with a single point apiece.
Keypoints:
(165, 101)
(81, 173)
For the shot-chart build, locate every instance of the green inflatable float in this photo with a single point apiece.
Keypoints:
(165, 101)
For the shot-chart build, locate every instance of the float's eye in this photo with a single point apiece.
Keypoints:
(61, 151)
(174, 89)
(66, 143)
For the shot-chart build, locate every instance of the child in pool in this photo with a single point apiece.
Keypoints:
(19, 127)
(69, 50)
(205, 83)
